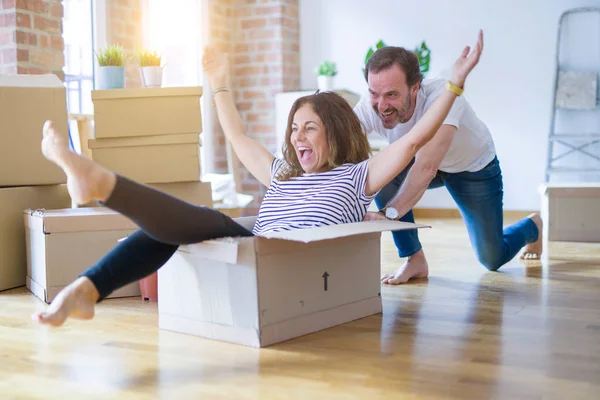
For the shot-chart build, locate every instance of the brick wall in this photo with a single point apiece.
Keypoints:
(266, 62)
(31, 37)
(124, 26)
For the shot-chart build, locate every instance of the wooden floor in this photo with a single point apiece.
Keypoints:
(530, 331)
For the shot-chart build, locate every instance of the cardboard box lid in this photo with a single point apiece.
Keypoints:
(342, 230)
(146, 92)
(77, 220)
(35, 81)
(179, 138)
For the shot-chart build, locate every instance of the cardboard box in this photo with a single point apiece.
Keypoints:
(13, 201)
(26, 102)
(151, 159)
(261, 290)
(63, 243)
(147, 111)
(571, 212)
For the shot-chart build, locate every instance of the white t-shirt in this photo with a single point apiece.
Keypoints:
(472, 147)
(313, 200)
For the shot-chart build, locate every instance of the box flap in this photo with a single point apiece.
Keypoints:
(146, 92)
(77, 220)
(224, 249)
(36, 81)
(342, 230)
(580, 188)
(180, 138)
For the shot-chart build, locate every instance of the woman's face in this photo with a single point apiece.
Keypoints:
(309, 140)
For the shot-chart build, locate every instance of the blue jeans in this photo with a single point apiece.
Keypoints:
(478, 196)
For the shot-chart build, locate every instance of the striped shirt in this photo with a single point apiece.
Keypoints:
(312, 200)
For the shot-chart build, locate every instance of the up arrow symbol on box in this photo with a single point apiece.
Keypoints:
(325, 276)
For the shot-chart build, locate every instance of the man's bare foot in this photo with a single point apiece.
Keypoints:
(86, 180)
(414, 268)
(533, 251)
(76, 301)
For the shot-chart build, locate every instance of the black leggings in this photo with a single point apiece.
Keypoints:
(166, 222)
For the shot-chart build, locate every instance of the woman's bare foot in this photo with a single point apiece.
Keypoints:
(533, 251)
(414, 268)
(86, 180)
(76, 301)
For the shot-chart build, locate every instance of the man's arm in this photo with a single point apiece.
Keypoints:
(427, 162)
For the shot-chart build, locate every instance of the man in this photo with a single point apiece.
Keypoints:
(461, 157)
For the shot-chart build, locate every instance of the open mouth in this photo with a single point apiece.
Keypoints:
(305, 154)
(387, 114)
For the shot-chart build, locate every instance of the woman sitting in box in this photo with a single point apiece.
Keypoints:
(325, 178)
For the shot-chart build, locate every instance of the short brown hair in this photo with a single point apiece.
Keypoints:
(387, 56)
(345, 135)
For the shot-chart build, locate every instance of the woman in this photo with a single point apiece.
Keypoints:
(325, 178)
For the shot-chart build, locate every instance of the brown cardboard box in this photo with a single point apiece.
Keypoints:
(261, 290)
(62, 243)
(26, 102)
(151, 159)
(147, 111)
(13, 201)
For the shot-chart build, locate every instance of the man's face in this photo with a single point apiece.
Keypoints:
(391, 98)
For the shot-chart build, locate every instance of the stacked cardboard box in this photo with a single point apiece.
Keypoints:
(151, 135)
(27, 179)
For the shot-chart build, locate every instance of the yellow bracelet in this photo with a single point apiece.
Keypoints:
(454, 89)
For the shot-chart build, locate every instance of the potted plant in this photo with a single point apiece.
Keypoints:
(150, 67)
(326, 71)
(112, 67)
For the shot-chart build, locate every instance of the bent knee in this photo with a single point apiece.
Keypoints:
(491, 261)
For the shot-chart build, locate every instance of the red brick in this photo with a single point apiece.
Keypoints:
(118, 13)
(246, 82)
(42, 57)
(47, 25)
(59, 59)
(253, 94)
(254, 117)
(247, 105)
(57, 11)
(23, 20)
(264, 105)
(262, 129)
(268, 10)
(245, 71)
(9, 69)
(130, 29)
(57, 43)
(240, 59)
(26, 38)
(44, 41)
(31, 70)
(268, 81)
(254, 23)
(116, 28)
(265, 46)
(242, 48)
(36, 6)
(262, 34)
(22, 55)
(6, 4)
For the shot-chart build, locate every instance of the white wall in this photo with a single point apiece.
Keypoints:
(510, 90)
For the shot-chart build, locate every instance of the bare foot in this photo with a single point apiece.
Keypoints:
(86, 180)
(414, 268)
(76, 301)
(533, 251)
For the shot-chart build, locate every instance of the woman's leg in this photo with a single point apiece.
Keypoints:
(166, 223)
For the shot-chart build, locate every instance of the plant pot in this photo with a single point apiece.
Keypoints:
(149, 287)
(152, 76)
(325, 83)
(111, 77)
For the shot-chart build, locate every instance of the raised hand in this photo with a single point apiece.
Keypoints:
(466, 62)
(215, 65)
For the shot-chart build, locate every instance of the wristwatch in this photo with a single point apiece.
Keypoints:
(390, 213)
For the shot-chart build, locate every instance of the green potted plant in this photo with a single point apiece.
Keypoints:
(111, 60)
(325, 73)
(150, 67)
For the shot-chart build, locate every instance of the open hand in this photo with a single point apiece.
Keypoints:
(374, 216)
(466, 62)
(215, 65)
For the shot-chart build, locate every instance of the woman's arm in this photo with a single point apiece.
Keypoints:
(252, 154)
(389, 162)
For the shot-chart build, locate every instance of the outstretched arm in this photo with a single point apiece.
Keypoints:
(388, 163)
(252, 154)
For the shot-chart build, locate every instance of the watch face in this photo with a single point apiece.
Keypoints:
(391, 213)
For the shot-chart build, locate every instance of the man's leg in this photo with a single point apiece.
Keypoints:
(479, 198)
(406, 241)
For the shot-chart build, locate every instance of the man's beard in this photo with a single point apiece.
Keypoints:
(402, 115)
